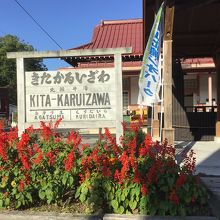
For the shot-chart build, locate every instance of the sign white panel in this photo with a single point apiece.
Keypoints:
(75, 95)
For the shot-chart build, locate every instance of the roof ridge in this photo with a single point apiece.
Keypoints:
(122, 21)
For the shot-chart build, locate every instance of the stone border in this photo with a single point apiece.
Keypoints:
(145, 217)
(21, 215)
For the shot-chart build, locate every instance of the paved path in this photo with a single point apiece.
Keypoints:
(207, 166)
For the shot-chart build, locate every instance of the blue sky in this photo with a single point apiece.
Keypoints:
(69, 22)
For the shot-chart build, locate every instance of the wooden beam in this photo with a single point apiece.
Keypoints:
(193, 4)
(68, 53)
(217, 64)
(169, 17)
(168, 131)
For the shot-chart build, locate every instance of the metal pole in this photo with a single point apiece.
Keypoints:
(161, 110)
(152, 114)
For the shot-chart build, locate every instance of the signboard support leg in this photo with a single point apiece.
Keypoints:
(119, 105)
(20, 95)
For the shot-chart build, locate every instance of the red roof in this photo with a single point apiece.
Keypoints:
(124, 33)
(117, 33)
(206, 60)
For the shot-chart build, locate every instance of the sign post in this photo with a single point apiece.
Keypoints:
(83, 98)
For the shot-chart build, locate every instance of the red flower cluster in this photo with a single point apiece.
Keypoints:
(69, 161)
(46, 130)
(181, 180)
(174, 197)
(51, 158)
(23, 150)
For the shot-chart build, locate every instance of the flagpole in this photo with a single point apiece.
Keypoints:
(152, 115)
(149, 79)
(161, 110)
(162, 94)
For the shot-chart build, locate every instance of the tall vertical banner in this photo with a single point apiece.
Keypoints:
(149, 80)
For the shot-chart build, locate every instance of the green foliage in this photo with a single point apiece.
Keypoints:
(10, 43)
(42, 168)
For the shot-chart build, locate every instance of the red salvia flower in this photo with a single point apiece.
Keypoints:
(57, 123)
(134, 127)
(3, 152)
(137, 177)
(117, 175)
(51, 158)
(74, 139)
(68, 162)
(30, 130)
(124, 126)
(12, 135)
(174, 197)
(144, 190)
(22, 150)
(38, 159)
(46, 131)
(181, 180)
(21, 186)
(193, 200)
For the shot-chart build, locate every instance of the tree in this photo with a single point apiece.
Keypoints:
(10, 43)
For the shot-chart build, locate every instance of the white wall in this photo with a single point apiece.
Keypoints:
(134, 89)
(203, 87)
(214, 91)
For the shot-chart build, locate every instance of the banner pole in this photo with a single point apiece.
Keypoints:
(161, 111)
(152, 115)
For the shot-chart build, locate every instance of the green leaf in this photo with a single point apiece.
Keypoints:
(14, 191)
(122, 197)
(182, 211)
(85, 190)
(64, 179)
(82, 198)
(18, 204)
(128, 212)
(126, 202)
(164, 188)
(173, 211)
(41, 194)
(29, 197)
(187, 198)
(133, 204)
(106, 186)
(114, 204)
(78, 191)
(7, 202)
(49, 199)
(121, 210)
(153, 210)
(33, 176)
(186, 187)
(125, 192)
(137, 191)
(71, 180)
(1, 203)
(111, 196)
(170, 181)
(144, 202)
(161, 212)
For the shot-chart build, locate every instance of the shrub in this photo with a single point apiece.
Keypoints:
(137, 176)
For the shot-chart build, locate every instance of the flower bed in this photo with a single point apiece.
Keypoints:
(138, 176)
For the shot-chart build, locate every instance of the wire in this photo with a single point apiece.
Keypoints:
(37, 23)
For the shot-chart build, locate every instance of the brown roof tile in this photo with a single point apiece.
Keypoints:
(117, 33)
(125, 33)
